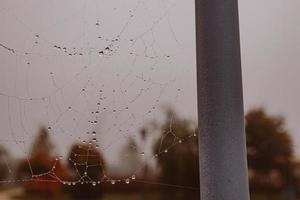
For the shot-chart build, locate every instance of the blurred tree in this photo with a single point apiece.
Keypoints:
(42, 144)
(87, 165)
(130, 158)
(40, 159)
(43, 165)
(178, 159)
(4, 164)
(269, 152)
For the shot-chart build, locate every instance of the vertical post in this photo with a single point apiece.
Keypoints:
(223, 165)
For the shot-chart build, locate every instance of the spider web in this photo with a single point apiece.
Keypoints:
(92, 73)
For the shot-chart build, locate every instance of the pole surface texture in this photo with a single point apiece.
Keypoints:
(223, 165)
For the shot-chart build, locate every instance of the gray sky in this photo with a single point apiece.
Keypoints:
(270, 56)
(153, 59)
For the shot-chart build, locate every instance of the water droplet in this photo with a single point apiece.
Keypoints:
(127, 181)
(166, 150)
(133, 177)
(113, 182)
(143, 153)
(180, 141)
(106, 50)
(94, 183)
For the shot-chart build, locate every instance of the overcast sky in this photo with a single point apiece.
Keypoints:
(270, 44)
(154, 58)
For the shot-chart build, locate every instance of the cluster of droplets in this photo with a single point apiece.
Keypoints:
(109, 50)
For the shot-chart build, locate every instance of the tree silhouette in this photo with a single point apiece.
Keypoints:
(87, 165)
(42, 144)
(40, 159)
(269, 151)
(4, 163)
(178, 165)
(129, 158)
(41, 164)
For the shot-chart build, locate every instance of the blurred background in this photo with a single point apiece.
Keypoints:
(98, 99)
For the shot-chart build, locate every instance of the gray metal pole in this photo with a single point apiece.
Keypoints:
(223, 165)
